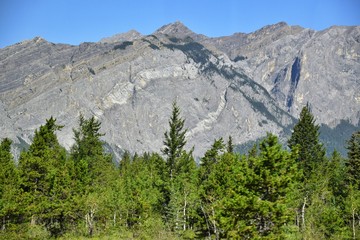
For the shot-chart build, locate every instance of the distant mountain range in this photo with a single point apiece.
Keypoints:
(242, 85)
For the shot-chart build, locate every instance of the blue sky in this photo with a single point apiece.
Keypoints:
(73, 22)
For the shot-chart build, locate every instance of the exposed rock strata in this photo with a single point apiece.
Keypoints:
(243, 85)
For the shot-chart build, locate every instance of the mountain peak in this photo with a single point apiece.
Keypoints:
(179, 30)
(273, 27)
(127, 36)
(175, 29)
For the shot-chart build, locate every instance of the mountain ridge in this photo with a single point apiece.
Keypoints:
(242, 85)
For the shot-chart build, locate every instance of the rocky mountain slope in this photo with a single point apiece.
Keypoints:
(242, 85)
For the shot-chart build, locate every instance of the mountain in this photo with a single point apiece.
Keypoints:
(121, 37)
(242, 85)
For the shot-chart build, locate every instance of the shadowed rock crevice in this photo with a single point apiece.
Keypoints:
(276, 90)
(294, 80)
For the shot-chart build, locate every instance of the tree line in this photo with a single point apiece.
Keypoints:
(270, 192)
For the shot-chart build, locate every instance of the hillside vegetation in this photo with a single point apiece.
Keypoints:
(270, 192)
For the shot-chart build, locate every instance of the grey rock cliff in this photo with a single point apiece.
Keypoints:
(121, 37)
(244, 85)
(298, 65)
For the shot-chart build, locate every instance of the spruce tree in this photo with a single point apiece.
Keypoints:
(276, 176)
(174, 139)
(87, 139)
(8, 185)
(230, 145)
(93, 168)
(45, 195)
(353, 164)
(210, 158)
(306, 137)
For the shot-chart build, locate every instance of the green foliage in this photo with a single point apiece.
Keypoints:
(353, 163)
(9, 184)
(174, 139)
(230, 145)
(87, 139)
(263, 195)
(306, 137)
(183, 194)
(44, 181)
(210, 158)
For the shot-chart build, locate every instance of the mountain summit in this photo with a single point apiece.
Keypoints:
(179, 30)
(242, 85)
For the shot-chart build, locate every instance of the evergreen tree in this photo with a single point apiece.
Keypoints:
(306, 137)
(94, 169)
(174, 139)
(87, 139)
(352, 210)
(184, 197)
(230, 145)
(8, 185)
(211, 157)
(321, 204)
(45, 139)
(336, 170)
(353, 163)
(44, 182)
(276, 177)
(226, 201)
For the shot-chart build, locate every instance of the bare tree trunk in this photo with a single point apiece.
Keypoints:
(214, 223)
(114, 219)
(303, 213)
(177, 220)
(33, 220)
(353, 223)
(3, 223)
(206, 220)
(89, 218)
(184, 213)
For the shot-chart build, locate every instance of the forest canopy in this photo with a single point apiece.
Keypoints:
(270, 192)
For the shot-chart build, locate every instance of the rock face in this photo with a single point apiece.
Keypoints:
(121, 37)
(297, 65)
(243, 85)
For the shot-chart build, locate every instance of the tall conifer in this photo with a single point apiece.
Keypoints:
(174, 139)
(353, 164)
(306, 137)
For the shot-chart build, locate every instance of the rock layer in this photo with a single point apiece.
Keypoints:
(243, 85)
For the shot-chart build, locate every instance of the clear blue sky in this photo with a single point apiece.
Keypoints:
(71, 21)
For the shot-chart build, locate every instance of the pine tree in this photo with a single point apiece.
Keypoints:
(8, 185)
(276, 175)
(44, 183)
(211, 157)
(353, 179)
(230, 145)
(174, 139)
(306, 137)
(45, 139)
(183, 197)
(353, 163)
(87, 139)
(94, 169)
